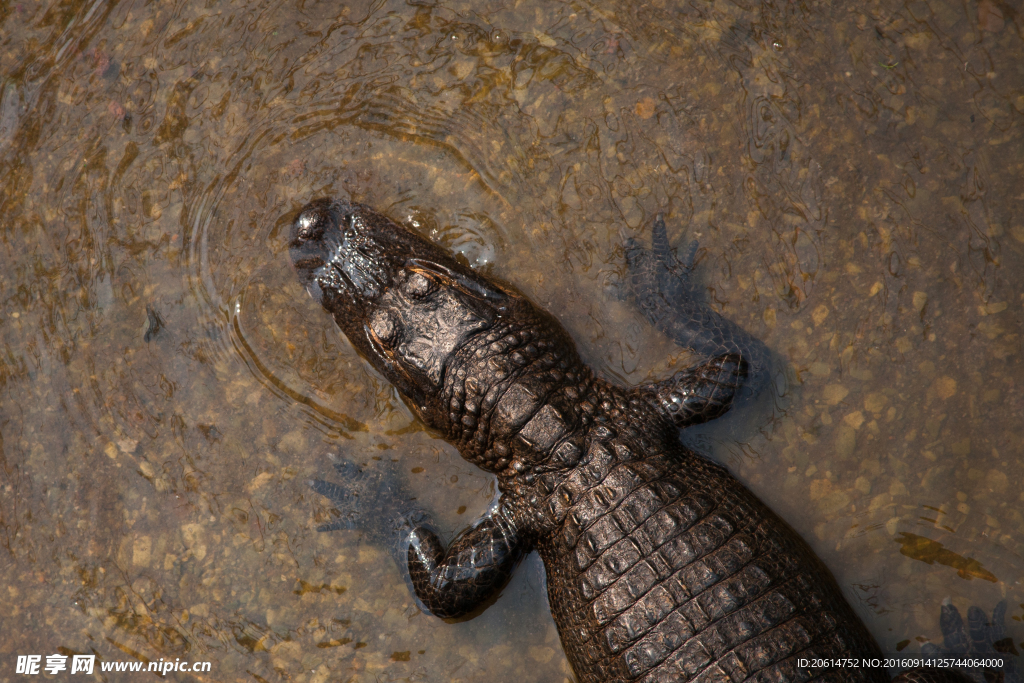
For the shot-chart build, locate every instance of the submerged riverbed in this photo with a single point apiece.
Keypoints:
(853, 175)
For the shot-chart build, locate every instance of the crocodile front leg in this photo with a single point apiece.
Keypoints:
(477, 563)
(449, 583)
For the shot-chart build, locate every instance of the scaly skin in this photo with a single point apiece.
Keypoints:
(660, 565)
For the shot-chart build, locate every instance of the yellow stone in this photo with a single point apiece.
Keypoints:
(820, 488)
(846, 440)
(997, 481)
(542, 655)
(874, 402)
(854, 419)
(834, 502)
(945, 387)
(191, 534)
(261, 479)
(462, 68)
(834, 393)
(141, 551)
(880, 501)
(442, 186)
(920, 300)
(645, 107)
(544, 39)
(293, 443)
(993, 308)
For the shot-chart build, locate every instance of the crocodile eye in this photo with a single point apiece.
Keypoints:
(418, 286)
(382, 324)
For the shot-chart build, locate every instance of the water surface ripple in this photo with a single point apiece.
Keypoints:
(852, 175)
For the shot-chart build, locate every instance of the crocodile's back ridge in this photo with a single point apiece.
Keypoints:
(662, 567)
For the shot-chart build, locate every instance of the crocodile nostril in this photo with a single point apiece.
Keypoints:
(309, 225)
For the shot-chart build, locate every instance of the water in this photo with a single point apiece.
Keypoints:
(853, 177)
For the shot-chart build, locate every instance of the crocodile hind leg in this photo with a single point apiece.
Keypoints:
(700, 393)
(661, 284)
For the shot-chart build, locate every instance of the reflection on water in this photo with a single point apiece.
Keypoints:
(853, 179)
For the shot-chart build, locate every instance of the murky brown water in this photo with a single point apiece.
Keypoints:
(854, 176)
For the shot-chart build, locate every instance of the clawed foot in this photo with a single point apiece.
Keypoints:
(979, 638)
(368, 501)
(659, 265)
(661, 284)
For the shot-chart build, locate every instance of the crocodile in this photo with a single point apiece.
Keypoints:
(660, 565)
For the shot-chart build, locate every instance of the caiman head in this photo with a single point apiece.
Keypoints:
(449, 339)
